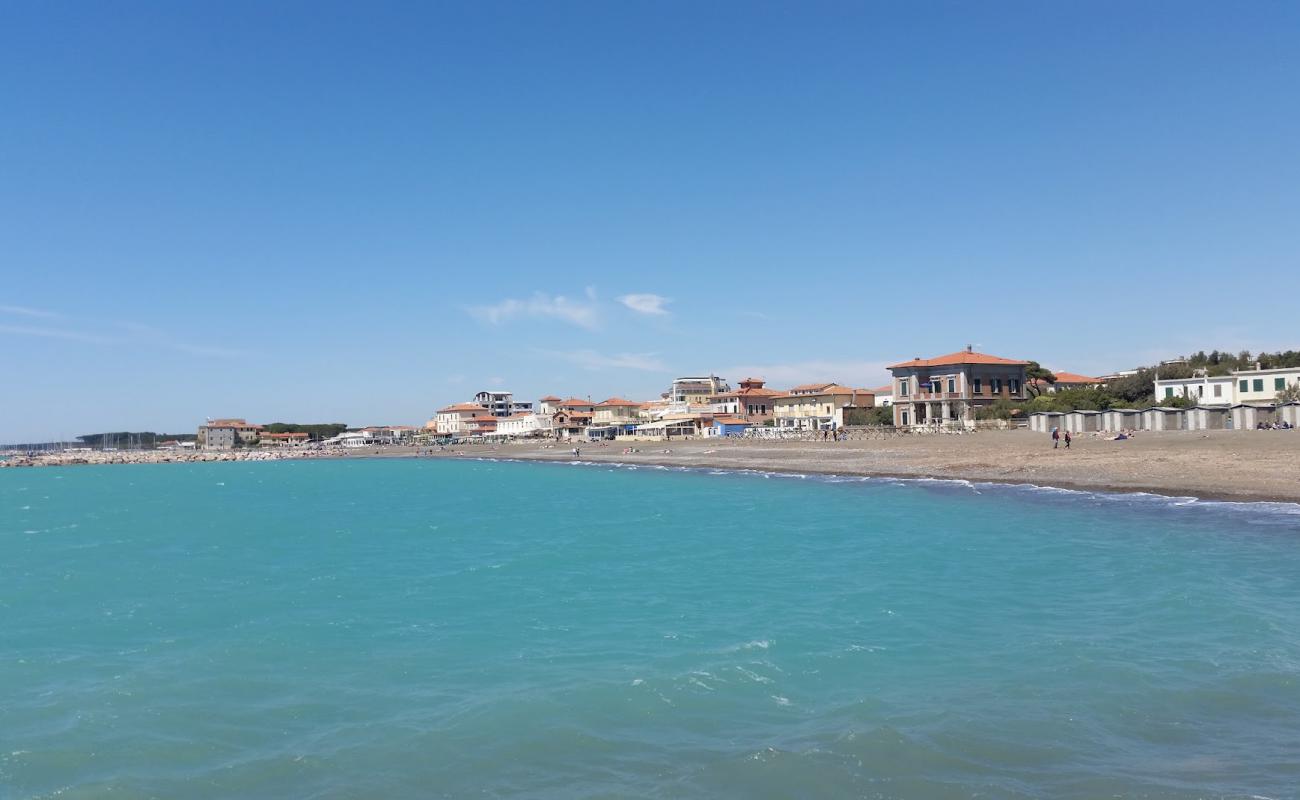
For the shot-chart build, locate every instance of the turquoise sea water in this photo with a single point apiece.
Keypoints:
(433, 629)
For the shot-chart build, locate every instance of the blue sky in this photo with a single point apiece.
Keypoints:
(315, 212)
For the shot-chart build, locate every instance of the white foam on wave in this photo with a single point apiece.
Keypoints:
(1279, 512)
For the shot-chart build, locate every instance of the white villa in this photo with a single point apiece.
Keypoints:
(1240, 386)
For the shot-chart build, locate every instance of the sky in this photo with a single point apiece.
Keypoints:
(359, 213)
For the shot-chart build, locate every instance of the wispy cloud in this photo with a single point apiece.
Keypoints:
(852, 373)
(646, 303)
(124, 333)
(161, 338)
(55, 333)
(581, 312)
(33, 313)
(590, 359)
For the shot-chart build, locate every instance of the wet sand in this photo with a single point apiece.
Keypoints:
(1225, 465)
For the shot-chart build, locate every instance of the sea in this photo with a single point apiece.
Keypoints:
(406, 628)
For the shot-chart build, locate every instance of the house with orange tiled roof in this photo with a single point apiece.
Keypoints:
(884, 395)
(819, 406)
(950, 390)
(614, 417)
(753, 401)
(456, 420)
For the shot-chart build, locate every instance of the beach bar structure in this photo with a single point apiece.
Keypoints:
(1208, 418)
(1044, 421)
(1121, 419)
(1080, 421)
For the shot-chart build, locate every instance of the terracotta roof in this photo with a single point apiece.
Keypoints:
(956, 359)
(521, 415)
(831, 390)
(882, 389)
(576, 401)
(616, 401)
(1074, 377)
(550, 398)
(298, 435)
(810, 387)
(732, 421)
(461, 407)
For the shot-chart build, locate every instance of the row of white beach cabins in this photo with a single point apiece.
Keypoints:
(1241, 417)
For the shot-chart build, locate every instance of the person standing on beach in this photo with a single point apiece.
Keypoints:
(1056, 438)
(1067, 440)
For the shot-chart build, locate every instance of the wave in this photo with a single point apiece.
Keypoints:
(1258, 512)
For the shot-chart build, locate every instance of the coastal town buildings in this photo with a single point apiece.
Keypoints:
(227, 434)
(950, 389)
(283, 439)
(884, 395)
(816, 406)
(753, 401)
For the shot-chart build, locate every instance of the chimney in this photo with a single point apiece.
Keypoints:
(970, 348)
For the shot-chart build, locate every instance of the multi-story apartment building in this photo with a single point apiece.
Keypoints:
(697, 391)
(501, 404)
(948, 390)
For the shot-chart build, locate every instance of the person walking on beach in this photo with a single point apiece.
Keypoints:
(1056, 438)
(1067, 440)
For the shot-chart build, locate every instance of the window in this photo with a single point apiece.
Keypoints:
(1015, 386)
(1244, 387)
(1218, 390)
(904, 417)
(996, 385)
(952, 385)
(1279, 383)
(1200, 391)
(902, 387)
(1169, 391)
(1259, 384)
(975, 384)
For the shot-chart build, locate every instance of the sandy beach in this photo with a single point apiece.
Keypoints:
(1228, 465)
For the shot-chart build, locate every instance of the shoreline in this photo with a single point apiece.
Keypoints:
(1222, 466)
(1083, 488)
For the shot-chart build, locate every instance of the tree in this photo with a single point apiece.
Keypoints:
(1038, 378)
(1291, 394)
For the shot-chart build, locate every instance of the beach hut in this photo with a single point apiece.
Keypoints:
(1121, 419)
(1208, 418)
(1290, 414)
(1044, 421)
(1162, 418)
(1247, 417)
(1081, 421)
